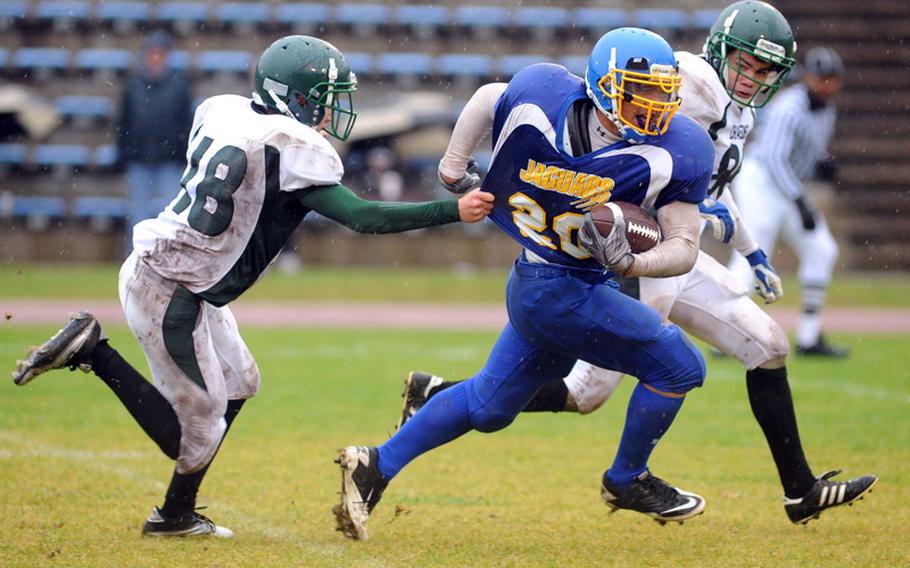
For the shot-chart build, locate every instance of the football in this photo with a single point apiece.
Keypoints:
(642, 229)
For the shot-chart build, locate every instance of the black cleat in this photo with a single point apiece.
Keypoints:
(70, 347)
(825, 494)
(822, 349)
(361, 488)
(418, 388)
(653, 497)
(190, 524)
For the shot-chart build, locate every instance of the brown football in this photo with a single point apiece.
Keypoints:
(642, 229)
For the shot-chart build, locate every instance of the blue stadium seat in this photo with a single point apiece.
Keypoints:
(362, 14)
(662, 19)
(512, 64)
(192, 13)
(62, 155)
(179, 59)
(53, 58)
(127, 12)
(255, 13)
(105, 156)
(361, 63)
(4, 58)
(12, 12)
(575, 63)
(302, 14)
(703, 19)
(465, 64)
(482, 16)
(63, 10)
(545, 17)
(103, 207)
(33, 206)
(116, 60)
(85, 107)
(600, 20)
(224, 61)
(404, 64)
(423, 16)
(13, 154)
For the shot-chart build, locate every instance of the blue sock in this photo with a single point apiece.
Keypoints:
(444, 418)
(649, 416)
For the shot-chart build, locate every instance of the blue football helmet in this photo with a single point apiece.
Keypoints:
(635, 67)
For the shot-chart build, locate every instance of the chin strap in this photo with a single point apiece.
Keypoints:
(281, 105)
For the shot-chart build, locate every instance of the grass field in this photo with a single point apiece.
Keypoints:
(78, 477)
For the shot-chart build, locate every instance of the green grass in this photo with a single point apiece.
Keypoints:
(316, 284)
(78, 477)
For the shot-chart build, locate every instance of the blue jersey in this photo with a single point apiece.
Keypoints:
(542, 191)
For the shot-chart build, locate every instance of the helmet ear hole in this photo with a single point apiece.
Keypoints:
(302, 100)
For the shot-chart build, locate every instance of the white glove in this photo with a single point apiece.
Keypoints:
(718, 216)
(612, 251)
(767, 282)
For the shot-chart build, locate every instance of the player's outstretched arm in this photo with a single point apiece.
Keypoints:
(339, 203)
(473, 124)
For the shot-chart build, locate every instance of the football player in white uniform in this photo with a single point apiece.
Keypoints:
(255, 168)
(747, 56)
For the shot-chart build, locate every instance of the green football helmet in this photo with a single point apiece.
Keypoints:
(756, 28)
(301, 77)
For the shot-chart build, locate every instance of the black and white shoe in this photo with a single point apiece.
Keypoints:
(70, 347)
(418, 388)
(826, 494)
(654, 497)
(822, 349)
(190, 524)
(361, 488)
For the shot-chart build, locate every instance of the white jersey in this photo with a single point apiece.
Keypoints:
(237, 208)
(705, 100)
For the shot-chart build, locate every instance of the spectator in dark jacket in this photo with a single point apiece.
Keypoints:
(153, 130)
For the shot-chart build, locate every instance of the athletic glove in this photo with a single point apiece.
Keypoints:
(468, 181)
(767, 282)
(806, 213)
(718, 216)
(612, 251)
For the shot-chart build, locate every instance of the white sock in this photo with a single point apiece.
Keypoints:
(808, 330)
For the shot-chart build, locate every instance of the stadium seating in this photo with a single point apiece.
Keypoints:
(62, 157)
(183, 17)
(361, 63)
(41, 60)
(12, 12)
(541, 21)
(123, 16)
(404, 64)
(599, 20)
(105, 157)
(662, 20)
(63, 13)
(702, 20)
(84, 110)
(475, 65)
(482, 20)
(302, 17)
(424, 20)
(101, 211)
(511, 64)
(13, 155)
(104, 60)
(224, 62)
(38, 211)
(243, 15)
(179, 59)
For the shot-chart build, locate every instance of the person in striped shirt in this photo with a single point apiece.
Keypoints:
(791, 148)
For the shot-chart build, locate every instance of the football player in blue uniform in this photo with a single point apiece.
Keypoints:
(563, 145)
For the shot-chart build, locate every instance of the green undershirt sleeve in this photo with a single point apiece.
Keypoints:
(339, 203)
